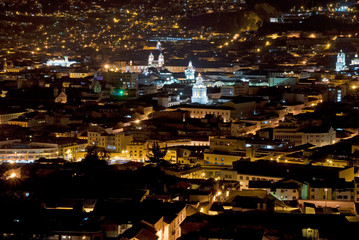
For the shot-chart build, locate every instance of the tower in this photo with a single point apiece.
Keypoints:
(161, 60)
(340, 65)
(355, 61)
(97, 87)
(189, 72)
(199, 91)
(151, 58)
(159, 46)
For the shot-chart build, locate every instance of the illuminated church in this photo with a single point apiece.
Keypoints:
(190, 72)
(199, 92)
(340, 65)
(153, 63)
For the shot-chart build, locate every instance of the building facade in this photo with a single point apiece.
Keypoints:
(199, 92)
(15, 151)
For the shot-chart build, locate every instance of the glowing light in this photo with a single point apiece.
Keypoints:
(137, 121)
(60, 62)
(274, 36)
(119, 92)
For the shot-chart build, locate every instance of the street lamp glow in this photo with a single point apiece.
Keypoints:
(12, 175)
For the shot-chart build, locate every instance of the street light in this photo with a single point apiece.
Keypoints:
(326, 196)
(12, 175)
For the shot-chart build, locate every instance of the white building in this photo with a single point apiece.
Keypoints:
(60, 62)
(198, 111)
(240, 88)
(286, 193)
(16, 151)
(318, 136)
(355, 60)
(199, 92)
(190, 72)
(153, 63)
(161, 60)
(151, 58)
(340, 65)
(168, 100)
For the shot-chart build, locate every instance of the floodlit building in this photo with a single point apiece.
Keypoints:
(190, 72)
(355, 60)
(340, 65)
(60, 62)
(200, 111)
(19, 152)
(318, 136)
(113, 142)
(199, 92)
(156, 63)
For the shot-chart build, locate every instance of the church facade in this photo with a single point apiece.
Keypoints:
(199, 91)
(340, 65)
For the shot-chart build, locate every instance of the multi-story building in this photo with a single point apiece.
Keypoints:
(19, 152)
(318, 136)
(224, 151)
(168, 100)
(121, 79)
(200, 111)
(243, 107)
(238, 89)
(138, 150)
(320, 191)
(116, 142)
(80, 74)
(71, 149)
(7, 114)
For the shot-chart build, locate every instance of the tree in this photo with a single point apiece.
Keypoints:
(95, 153)
(156, 153)
(93, 164)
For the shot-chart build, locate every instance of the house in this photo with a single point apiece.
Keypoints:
(285, 191)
